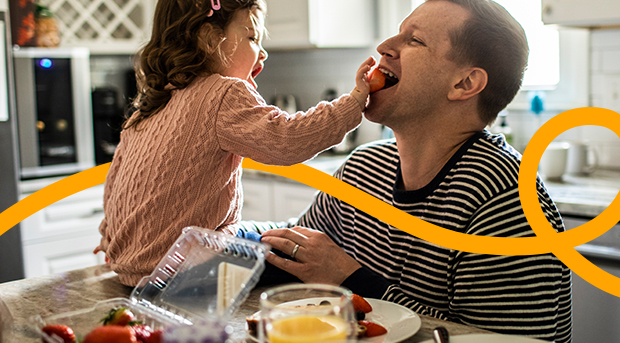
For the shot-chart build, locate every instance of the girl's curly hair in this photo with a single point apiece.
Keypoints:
(185, 43)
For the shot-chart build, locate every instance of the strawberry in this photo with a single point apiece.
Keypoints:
(111, 334)
(64, 332)
(156, 337)
(372, 329)
(360, 304)
(143, 332)
(119, 316)
(376, 79)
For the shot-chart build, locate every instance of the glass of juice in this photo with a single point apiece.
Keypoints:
(305, 313)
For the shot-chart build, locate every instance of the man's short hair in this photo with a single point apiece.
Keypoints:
(493, 40)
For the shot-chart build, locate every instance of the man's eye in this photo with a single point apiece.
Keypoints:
(415, 40)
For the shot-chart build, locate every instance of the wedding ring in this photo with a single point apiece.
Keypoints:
(294, 252)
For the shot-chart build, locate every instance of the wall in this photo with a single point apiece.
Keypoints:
(308, 73)
(604, 92)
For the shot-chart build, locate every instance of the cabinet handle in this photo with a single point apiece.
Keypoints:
(547, 10)
(95, 211)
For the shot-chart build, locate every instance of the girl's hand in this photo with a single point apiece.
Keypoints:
(362, 86)
(97, 250)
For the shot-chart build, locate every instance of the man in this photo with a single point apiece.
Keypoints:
(458, 63)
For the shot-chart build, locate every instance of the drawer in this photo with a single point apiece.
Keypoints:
(61, 255)
(80, 213)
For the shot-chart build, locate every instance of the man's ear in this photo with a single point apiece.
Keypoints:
(471, 82)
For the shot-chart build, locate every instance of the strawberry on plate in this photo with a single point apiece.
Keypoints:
(360, 304)
(119, 316)
(111, 334)
(372, 329)
(64, 332)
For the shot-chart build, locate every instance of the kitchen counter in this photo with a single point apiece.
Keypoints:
(585, 196)
(80, 289)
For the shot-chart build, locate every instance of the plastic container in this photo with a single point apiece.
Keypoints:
(205, 276)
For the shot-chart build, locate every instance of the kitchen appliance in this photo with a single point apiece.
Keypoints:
(54, 111)
(107, 122)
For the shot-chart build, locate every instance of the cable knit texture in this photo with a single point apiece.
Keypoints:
(182, 166)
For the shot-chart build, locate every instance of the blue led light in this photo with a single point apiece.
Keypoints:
(45, 63)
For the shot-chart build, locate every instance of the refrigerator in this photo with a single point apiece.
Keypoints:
(11, 259)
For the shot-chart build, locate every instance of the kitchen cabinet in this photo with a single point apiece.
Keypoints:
(62, 255)
(581, 13)
(62, 236)
(103, 26)
(294, 24)
(595, 312)
(266, 199)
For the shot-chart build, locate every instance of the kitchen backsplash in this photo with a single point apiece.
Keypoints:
(604, 75)
(308, 74)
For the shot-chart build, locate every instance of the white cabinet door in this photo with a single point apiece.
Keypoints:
(581, 12)
(291, 200)
(257, 200)
(103, 26)
(319, 23)
(59, 256)
(78, 214)
(271, 200)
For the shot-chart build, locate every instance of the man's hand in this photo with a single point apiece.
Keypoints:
(317, 259)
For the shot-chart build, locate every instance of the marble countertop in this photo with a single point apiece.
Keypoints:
(585, 196)
(83, 288)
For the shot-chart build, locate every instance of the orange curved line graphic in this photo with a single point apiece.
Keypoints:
(546, 241)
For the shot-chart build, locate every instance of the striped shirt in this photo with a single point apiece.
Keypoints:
(475, 193)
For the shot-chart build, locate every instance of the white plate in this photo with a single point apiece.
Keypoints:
(400, 322)
(489, 338)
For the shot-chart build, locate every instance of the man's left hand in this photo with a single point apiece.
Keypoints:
(317, 259)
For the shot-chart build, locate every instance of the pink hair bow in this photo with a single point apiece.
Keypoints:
(215, 5)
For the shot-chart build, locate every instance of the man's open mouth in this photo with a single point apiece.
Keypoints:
(390, 78)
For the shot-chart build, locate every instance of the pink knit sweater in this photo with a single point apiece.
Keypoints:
(182, 166)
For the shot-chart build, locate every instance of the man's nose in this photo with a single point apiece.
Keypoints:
(388, 47)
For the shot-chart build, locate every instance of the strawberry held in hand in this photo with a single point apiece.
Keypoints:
(376, 80)
(62, 331)
(381, 78)
(120, 316)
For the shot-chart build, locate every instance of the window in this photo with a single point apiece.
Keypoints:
(543, 71)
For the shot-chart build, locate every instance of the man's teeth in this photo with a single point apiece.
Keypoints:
(387, 72)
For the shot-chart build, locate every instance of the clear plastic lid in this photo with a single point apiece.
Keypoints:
(204, 275)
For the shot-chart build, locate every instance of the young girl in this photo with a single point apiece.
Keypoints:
(198, 115)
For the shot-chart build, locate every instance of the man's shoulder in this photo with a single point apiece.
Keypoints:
(491, 156)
